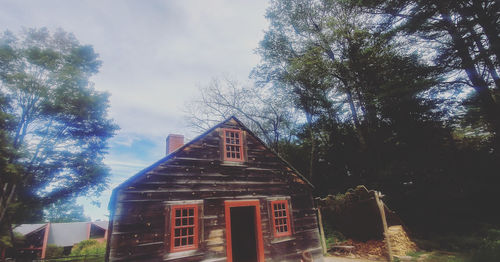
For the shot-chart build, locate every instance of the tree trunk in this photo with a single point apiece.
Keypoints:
(313, 146)
(350, 100)
(482, 50)
(11, 232)
(7, 196)
(489, 26)
(491, 108)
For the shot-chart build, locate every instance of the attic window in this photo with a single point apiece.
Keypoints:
(184, 234)
(281, 218)
(233, 145)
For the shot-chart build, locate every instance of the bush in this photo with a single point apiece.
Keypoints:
(89, 247)
(490, 247)
(332, 236)
(54, 251)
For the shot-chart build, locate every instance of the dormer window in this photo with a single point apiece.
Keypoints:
(233, 145)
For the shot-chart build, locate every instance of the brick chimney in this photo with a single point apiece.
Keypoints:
(173, 142)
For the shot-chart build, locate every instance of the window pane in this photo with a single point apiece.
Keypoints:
(231, 144)
(280, 218)
(184, 229)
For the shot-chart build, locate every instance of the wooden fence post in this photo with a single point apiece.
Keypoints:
(321, 231)
(380, 205)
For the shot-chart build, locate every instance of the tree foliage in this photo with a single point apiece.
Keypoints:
(465, 38)
(388, 101)
(64, 211)
(59, 121)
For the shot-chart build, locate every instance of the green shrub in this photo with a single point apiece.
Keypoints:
(54, 251)
(89, 247)
(489, 249)
(334, 238)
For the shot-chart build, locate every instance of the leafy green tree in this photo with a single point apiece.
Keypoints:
(63, 211)
(378, 111)
(465, 38)
(59, 120)
(340, 73)
(11, 173)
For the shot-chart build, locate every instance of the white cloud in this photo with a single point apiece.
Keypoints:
(154, 54)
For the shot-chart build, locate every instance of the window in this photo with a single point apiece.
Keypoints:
(233, 145)
(281, 218)
(184, 228)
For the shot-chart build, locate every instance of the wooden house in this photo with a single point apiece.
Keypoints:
(224, 196)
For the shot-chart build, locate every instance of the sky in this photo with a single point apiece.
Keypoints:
(155, 55)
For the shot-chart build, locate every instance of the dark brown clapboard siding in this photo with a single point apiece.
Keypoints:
(197, 172)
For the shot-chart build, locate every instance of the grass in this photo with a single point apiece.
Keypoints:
(445, 257)
(483, 246)
(437, 256)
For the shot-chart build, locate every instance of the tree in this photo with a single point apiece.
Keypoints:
(464, 35)
(63, 211)
(340, 73)
(59, 120)
(376, 113)
(268, 113)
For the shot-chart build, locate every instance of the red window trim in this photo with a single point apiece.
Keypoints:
(241, 145)
(287, 219)
(173, 227)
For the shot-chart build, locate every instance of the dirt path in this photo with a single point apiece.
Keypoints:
(345, 259)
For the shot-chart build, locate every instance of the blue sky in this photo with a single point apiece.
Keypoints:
(155, 55)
